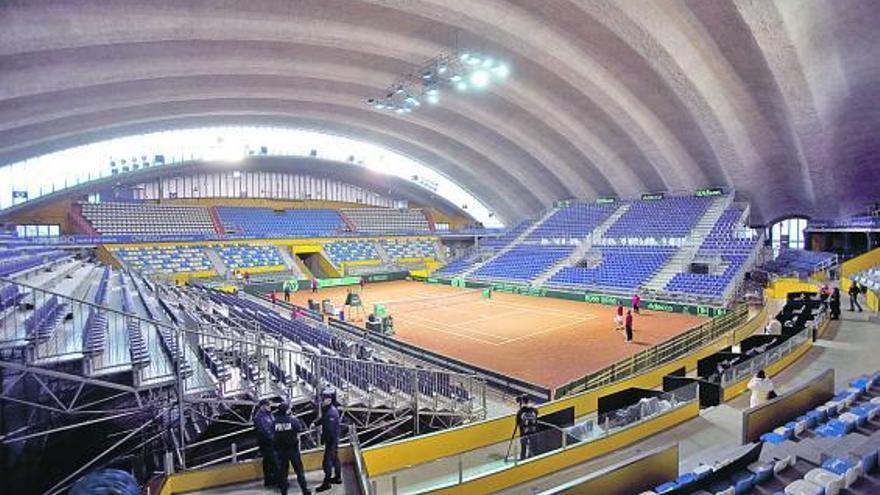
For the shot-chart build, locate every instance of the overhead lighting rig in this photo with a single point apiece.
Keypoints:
(460, 70)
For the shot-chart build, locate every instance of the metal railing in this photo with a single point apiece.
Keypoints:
(660, 354)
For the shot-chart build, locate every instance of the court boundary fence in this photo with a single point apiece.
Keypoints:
(660, 354)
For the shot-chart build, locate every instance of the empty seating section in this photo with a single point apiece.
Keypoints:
(454, 268)
(174, 259)
(356, 250)
(523, 262)
(26, 260)
(672, 217)
(147, 219)
(95, 333)
(800, 262)
(576, 221)
(721, 241)
(365, 374)
(140, 353)
(620, 268)
(387, 220)
(10, 296)
(244, 256)
(507, 237)
(402, 248)
(266, 222)
(870, 278)
(42, 322)
(830, 449)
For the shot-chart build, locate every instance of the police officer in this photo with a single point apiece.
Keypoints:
(330, 430)
(527, 422)
(265, 428)
(287, 430)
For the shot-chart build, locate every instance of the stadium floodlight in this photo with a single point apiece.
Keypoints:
(458, 69)
(479, 79)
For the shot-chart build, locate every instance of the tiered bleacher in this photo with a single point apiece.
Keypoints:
(722, 242)
(354, 250)
(246, 256)
(266, 222)
(829, 449)
(366, 374)
(671, 217)
(799, 262)
(405, 248)
(387, 220)
(621, 268)
(147, 219)
(176, 259)
(870, 278)
(522, 263)
(572, 222)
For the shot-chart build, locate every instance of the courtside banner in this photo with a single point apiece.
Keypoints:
(589, 297)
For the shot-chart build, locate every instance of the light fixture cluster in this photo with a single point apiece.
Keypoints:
(460, 70)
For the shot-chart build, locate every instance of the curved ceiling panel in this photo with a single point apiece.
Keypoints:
(775, 99)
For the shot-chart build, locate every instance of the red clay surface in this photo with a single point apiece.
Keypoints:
(545, 341)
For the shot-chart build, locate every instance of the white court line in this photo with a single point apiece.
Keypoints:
(588, 316)
(534, 334)
(433, 325)
(484, 318)
(447, 325)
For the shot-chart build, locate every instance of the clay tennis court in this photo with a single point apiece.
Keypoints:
(544, 341)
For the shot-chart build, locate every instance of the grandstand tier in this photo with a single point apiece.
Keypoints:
(387, 220)
(266, 222)
(147, 219)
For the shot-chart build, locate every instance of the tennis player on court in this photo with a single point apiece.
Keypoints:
(618, 317)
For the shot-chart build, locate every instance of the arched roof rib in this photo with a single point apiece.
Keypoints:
(774, 99)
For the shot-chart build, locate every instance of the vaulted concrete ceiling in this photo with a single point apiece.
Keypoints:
(778, 99)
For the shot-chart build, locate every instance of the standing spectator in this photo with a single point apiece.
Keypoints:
(273, 297)
(628, 326)
(287, 430)
(834, 304)
(330, 432)
(618, 317)
(264, 425)
(854, 292)
(247, 278)
(527, 422)
(286, 292)
(761, 388)
(636, 301)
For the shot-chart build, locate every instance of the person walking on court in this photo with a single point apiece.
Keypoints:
(628, 326)
(854, 292)
(527, 422)
(287, 430)
(286, 292)
(264, 426)
(314, 285)
(274, 298)
(618, 317)
(363, 283)
(330, 432)
(636, 301)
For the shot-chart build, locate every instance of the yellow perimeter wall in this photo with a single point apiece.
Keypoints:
(398, 455)
(550, 463)
(296, 246)
(781, 287)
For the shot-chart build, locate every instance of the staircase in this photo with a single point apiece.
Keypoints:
(383, 254)
(78, 221)
(218, 263)
(685, 255)
(522, 236)
(291, 265)
(583, 248)
(215, 219)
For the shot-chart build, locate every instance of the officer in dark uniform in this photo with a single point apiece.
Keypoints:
(330, 432)
(527, 422)
(264, 425)
(287, 430)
